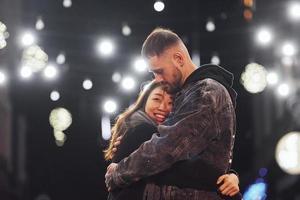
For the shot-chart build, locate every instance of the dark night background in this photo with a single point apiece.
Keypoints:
(34, 167)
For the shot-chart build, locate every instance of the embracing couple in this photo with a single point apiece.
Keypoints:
(176, 140)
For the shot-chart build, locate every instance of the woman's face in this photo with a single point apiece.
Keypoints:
(158, 105)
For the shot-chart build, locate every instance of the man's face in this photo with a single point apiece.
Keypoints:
(165, 70)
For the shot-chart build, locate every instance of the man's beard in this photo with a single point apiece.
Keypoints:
(175, 86)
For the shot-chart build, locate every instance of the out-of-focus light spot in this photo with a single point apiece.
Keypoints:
(3, 35)
(116, 77)
(288, 153)
(283, 90)
(87, 84)
(2, 78)
(50, 72)
(34, 58)
(25, 72)
(3, 42)
(28, 39)
(61, 59)
(106, 47)
(106, 127)
(215, 60)
(140, 65)
(254, 78)
(294, 11)
(2, 27)
(196, 58)
(272, 78)
(59, 135)
(248, 15)
(287, 61)
(289, 49)
(159, 6)
(248, 3)
(54, 95)
(67, 3)
(264, 36)
(128, 83)
(256, 191)
(210, 26)
(263, 172)
(60, 119)
(39, 25)
(110, 106)
(126, 30)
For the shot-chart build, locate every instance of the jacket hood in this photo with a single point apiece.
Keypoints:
(218, 74)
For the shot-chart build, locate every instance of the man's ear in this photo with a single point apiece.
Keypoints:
(178, 58)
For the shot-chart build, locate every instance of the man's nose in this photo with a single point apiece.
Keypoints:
(158, 78)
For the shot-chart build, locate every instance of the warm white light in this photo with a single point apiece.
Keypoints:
(288, 49)
(67, 3)
(283, 89)
(59, 135)
(288, 153)
(215, 60)
(2, 27)
(3, 42)
(50, 72)
(106, 47)
(140, 65)
(287, 61)
(116, 77)
(126, 30)
(2, 78)
(27, 39)
(61, 59)
(39, 25)
(254, 78)
(272, 78)
(87, 84)
(106, 127)
(128, 83)
(25, 72)
(159, 6)
(210, 26)
(294, 11)
(110, 106)
(60, 119)
(34, 58)
(54, 95)
(264, 36)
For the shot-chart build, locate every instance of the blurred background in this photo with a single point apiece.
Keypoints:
(68, 67)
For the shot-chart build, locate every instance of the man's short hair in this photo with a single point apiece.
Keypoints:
(159, 40)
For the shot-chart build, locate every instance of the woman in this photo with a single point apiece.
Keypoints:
(136, 125)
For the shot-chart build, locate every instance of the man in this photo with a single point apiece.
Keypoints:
(200, 128)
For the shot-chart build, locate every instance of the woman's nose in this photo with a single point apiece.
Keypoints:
(163, 106)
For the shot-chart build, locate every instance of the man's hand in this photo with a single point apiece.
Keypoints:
(116, 144)
(230, 184)
(108, 176)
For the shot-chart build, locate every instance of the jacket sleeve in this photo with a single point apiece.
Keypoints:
(133, 139)
(187, 138)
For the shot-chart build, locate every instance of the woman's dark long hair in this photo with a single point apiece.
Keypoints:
(119, 129)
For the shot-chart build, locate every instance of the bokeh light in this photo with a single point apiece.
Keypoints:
(288, 153)
(254, 78)
(60, 119)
